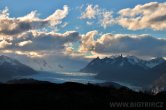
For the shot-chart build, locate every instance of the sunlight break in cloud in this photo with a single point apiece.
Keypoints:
(23, 43)
(31, 21)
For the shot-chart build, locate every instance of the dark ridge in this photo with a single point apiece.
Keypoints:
(27, 81)
(68, 96)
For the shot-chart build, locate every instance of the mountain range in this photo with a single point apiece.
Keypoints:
(11, 68)
(129, 69)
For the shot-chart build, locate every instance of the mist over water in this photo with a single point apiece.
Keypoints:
(61, 77)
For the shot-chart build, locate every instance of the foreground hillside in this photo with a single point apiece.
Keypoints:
(30, 94)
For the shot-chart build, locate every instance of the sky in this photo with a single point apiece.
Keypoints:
(64, 35)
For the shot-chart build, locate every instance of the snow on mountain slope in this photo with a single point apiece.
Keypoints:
(130, 59)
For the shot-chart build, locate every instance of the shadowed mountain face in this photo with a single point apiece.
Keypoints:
(11, 68)
(127, 69)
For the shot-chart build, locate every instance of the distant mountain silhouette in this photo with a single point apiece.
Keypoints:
(128, 69)
(11, 68)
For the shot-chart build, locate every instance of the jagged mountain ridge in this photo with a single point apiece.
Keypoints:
(130, 59)
(128, 69)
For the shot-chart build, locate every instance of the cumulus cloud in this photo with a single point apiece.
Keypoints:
(33, 15)
(57, 16)
(90, 12)
(31, 21)
(138, 45)
(151, 15)
(87, 42)
(4, 13)
(71, 43)
(35, 41)
(107, 19)
(103, 16)
(4, 44)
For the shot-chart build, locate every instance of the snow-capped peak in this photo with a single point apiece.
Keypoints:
(129, 59)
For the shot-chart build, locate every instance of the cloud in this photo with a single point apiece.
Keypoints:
(23, 43)
(151, 15)
(33, 15)
(90, 12)
(127, 44)
(57, 16)
(72, 43)
(138, 45)
(87, 41)
(104, 17)
(31, 21)
(4, 13)
(35, 41)
(89, 23)
(107, 19)
(30, 54)
(69, 50)
(4, 44)
(64, 24)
